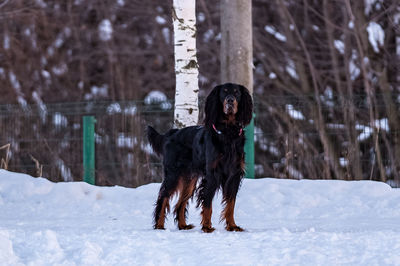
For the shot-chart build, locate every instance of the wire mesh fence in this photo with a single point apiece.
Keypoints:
(47, 140)
(329, 137)
(295, 137)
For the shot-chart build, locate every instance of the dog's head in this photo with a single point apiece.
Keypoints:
(229, 102)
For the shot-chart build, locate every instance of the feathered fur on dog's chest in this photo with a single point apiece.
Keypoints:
(230, 147)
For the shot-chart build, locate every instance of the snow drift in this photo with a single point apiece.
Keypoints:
(303, 222)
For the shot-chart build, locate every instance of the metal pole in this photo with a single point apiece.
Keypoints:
(88, 150)
(249, 150)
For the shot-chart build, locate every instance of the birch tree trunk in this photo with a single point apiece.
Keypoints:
(186, 67)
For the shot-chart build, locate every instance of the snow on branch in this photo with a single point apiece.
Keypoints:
(376, 35)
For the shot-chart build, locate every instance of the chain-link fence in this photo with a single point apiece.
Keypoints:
(295, 137)
(329, 137)
(46, 140)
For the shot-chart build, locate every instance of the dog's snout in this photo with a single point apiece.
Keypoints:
(230, 105)
(230, 99)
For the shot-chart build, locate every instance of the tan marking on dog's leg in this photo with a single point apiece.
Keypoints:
(206, 220)
(185, 194)
(228, 215)
(161, 220)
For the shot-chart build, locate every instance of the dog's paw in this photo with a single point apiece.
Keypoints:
(234, 228)
(159, 227)
(208, 229)
(186, 227)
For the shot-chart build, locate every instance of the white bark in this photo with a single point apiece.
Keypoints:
(186, 67)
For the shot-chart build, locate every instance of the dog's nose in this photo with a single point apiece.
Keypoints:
(230, 100)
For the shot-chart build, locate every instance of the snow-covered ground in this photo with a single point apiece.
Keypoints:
(287, 222)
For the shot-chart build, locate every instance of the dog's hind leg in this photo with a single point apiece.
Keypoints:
(188, 187)
(162, 206)
(168, 188)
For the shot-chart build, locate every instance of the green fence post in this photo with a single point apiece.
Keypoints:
(88, 150)
(249, 149)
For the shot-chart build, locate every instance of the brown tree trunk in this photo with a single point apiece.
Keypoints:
(237, 43)
(237, 58)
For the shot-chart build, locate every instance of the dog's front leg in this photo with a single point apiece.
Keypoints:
(228, 215)
(230, 190)
(207, 191)
(206, 220)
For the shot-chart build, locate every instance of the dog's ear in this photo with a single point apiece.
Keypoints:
(245, 112)
(213, 108)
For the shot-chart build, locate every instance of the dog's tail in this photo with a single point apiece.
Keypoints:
(156, 140)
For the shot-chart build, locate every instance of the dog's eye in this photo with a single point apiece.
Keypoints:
(225, 90)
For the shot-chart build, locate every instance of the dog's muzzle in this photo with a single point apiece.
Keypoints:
(230, 105)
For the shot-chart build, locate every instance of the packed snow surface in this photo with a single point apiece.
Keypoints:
(287, 222)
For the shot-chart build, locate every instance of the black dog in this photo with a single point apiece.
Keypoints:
(214, 152)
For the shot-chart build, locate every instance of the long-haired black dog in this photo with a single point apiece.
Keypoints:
(213, 152)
